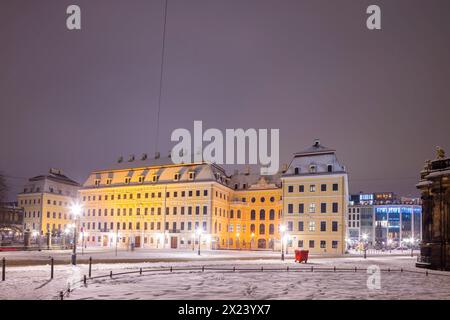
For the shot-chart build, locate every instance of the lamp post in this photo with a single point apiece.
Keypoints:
(76, 210)
(283, 230)
(193, 241)
(411, 240)
(364, 236)
(199, 232)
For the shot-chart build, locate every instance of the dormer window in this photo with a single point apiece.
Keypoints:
(108, 181)
(330, 168)
(236, 186)
(127, 180)
(141, 179)
(191, 175)
(155, 178)
(312, 168)
(296, 170)
(176, 177)
(97, 182)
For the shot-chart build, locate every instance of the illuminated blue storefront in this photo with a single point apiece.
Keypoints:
(395, 223)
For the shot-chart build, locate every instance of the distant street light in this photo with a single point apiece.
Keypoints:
(283, 230)
(365, 237)
(199, 232)
(76, 211)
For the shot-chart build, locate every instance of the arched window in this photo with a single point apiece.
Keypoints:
(262, 214)
(252, 228)
(272, 214)
(262, 228)
(252, 215)
(239, 214)
(271, 229)
(231, 214)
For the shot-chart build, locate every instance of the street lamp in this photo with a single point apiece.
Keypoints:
(283, 230)
(411, 240)
(76, 211)
(193, 241)
(251, 241)
(199, 232)
(365, 237)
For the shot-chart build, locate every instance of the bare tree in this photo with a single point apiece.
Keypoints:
(3, 187)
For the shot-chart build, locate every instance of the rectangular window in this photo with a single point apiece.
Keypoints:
(290, 208)
(335, 187)
(300, 243)
(301, 208)
(312, 226)
(334, 226)
(323, 208)
(323, 244)
(323, 226)
(334, 244)
(323, 187)
(290, 189)
(312, 188)
(311, 243)
(335, 207)
(301, 188)
(300, 226)
(312, 208)
(205, 210)
(290, 226)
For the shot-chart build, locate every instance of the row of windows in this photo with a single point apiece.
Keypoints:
(146, 211)
(312, 208)
(312, 188)
(352, 224)
(141, 179)
(30, 201)
(105, 226)
(354, 216)
(53, 215)
(313, 169)
(354, 210)
(323, 244)
(261, 228)
(147, 195)
(312, 226)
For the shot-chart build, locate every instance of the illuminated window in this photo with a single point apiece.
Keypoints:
(312, 208)
(312, 226)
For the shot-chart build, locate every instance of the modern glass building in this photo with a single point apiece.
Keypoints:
(384, 220)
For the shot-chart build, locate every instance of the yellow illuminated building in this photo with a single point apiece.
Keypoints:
(315, 200)
(153, 203)
(46, 201)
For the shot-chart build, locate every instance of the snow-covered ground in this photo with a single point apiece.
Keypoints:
(32, 282)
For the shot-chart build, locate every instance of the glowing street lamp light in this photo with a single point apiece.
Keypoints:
(283, 230)
(365, 237)
(199, 232)
(75, 209)
(251, 241)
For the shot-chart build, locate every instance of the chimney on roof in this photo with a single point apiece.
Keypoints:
(55, 171)
(316, 142)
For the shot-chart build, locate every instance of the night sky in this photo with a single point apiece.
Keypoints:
(77, 100)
